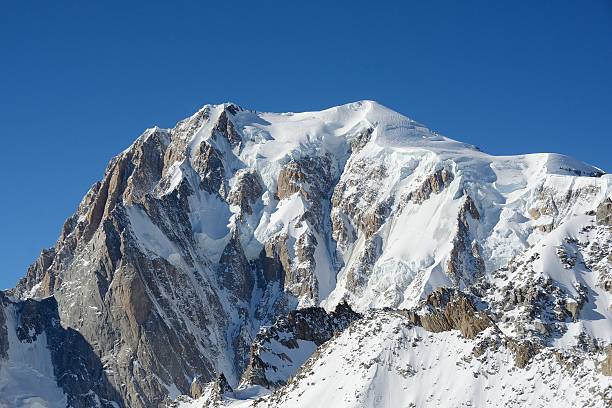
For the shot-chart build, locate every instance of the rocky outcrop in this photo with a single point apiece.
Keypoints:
(465, 263)
(198, 387)
(270, 362)
(433, 184)
(362, 138)
(221, 386)
(603, 216)
(448, 309)
(234, 270)
(358, 274)
(523, 351)
(606, 364)
(311, 179)
(246, 191)
(354, 202)
(207, 162)
(225, 129)
(373, 219)
(274, 260)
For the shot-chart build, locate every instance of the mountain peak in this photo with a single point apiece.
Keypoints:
(200, 235)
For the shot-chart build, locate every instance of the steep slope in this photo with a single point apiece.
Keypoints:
(446, 354)
(385, 361)
(280, 350)
(43, 364)
(26, 369)
(199, 235)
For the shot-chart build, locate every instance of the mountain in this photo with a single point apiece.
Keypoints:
(230, 256)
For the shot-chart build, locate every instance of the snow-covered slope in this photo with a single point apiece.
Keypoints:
(384, 360)
(198, 236)
(27, 378)
(45, 365)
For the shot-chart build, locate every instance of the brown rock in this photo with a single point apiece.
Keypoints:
(433, 184)
(523, 351)
(198, 386)
(573, 308)
(448, 309)
(246, 190)
(603, 216)
(606, 365)
(225, 128)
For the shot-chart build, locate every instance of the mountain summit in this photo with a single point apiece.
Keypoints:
(254, 259)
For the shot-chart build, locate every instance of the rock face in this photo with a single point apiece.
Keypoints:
(465, 263)
(606, 365)
(280, 350)
(75, 365)
(433, 184)
(199, 235)
(604, 213)
(129, 273)
(447, 309)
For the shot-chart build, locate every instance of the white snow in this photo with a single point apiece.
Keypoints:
(27, 379)
(383, 361)
(415, 241)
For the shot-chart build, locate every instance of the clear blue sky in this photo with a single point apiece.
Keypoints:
(79, 81)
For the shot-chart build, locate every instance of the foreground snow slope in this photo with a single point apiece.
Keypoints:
(384, 360)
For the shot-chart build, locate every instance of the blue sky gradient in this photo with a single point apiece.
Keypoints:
(79, 81)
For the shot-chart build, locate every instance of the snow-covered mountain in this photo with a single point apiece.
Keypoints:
(183, 268)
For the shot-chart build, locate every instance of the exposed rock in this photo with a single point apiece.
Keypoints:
(541, 328)
(301, 280)
(356, 205)
(573, 308)
(40, 271)
(246, 191)
(374, 219)
(198, 386)
(221, 386)
(448, 309)
(546, 228)
(434, 183)
(603, 215)
(148, 163)
(310, 176)
(361, 139)
(77, 368)
(208, 163)
(225, 128)
(274, 259)
(235, 272)
(465, 263)
(311, 324)
(523, 352)
(606, 365)
(534, 213)
(358, 274)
